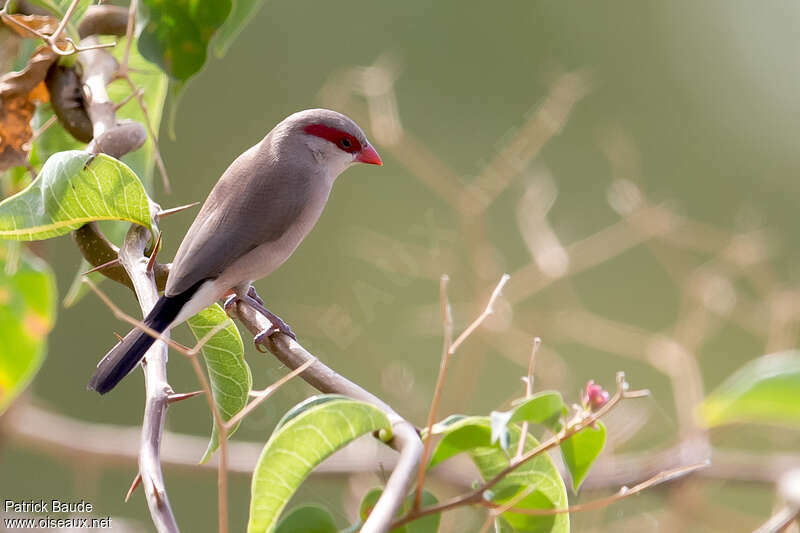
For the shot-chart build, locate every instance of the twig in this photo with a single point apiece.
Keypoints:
(780, 521)
(483, 316)
(43, 128)
(129, 36)
(494, 512)
(222, 439)
(537, 342)
(624, 492)
(151, 130)
(405, 439)
(63, 24)
(476, 496)
(260, 396)
(53, 40)
(447, 327)
(449, 348)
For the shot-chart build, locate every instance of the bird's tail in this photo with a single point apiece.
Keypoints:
(131, 349)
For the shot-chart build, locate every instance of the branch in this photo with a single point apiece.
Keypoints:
(405, 439)
(476, 497)
(157, 388)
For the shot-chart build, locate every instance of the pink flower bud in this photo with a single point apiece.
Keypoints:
(594, 396)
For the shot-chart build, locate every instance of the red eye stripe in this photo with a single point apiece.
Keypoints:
(342, 139)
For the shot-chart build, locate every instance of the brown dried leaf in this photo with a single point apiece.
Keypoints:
(19, 92)
(24, 81)
(16, 112)
(23, 24)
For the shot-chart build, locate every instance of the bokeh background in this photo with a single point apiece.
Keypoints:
(633, 166)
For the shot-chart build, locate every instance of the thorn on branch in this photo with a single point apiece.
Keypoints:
(136, 482)
(174, 210)
(113, 262)
(177, 397)
(151, 262)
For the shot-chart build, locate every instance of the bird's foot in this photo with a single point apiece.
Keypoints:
(278, 326)
(253, 300)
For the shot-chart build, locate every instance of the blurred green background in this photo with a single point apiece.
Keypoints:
(690, 105)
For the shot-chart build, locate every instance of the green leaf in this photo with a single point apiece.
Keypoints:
(765, 390)
(228, 373)
(581, 450)
(242, 13)
(545, 408)
(473, 435)
(307, 404)
(66, 195)
(307, 519)
(427, 524)
(27, 314)
(176, 33)
(298, 446)
(464, 434)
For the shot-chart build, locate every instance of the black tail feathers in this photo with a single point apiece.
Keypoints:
(131, 349)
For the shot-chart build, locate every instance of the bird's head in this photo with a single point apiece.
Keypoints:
(332, 139)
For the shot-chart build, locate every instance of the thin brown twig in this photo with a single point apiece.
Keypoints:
(622, 493)
(447, 327)
(53, 40)
(127, 99)
(476, 496)
(151, 130)
(222, 439)
(63, 24)
(44, 127)
(448, 349)
(262, 395)
(500, 509)
(537, 342)
(129, 36)
(178, 347)
(488, 311)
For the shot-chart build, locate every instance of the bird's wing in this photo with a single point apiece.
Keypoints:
(254, 202)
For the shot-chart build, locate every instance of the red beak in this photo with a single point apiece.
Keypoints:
(369, 156)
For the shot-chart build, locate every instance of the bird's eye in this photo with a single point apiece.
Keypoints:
(344, 142)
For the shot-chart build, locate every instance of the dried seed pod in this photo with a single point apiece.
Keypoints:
(66, 97)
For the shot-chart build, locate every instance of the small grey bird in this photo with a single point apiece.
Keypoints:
(264, 204)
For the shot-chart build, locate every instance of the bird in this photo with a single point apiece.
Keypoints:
(254, 218)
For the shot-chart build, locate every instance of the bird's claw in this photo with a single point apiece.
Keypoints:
(230, 302)
(251, 292)
(279, 327)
